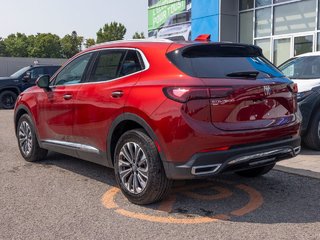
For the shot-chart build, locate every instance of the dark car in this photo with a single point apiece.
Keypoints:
(162, 110)
(11, 87)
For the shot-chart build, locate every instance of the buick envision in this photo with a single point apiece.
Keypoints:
(161, 110)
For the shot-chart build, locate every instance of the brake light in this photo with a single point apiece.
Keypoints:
(185, 94)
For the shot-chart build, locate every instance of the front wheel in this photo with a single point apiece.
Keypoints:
(256, 172)
(27, 140)
(138, 169)
(7, 99)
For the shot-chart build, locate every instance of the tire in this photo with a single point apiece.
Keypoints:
(27, 140)
(7, 99)
(256, 172)
(151, 184)
(312, 138)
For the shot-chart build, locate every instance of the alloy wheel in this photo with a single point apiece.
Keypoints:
(133, 167)
(25, 138)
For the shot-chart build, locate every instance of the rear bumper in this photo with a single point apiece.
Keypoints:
(240, 158)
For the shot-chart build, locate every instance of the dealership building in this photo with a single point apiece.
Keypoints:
(282, 28)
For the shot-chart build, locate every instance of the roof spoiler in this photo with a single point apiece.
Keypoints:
(203, 38)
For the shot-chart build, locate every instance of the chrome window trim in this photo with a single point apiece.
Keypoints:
(143, 57)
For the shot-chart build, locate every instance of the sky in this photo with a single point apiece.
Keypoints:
(61, 17)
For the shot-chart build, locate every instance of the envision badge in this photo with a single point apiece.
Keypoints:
(267, 90)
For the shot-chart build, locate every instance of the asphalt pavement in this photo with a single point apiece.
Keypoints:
(66, 198)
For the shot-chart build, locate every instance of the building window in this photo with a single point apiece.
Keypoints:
(260, 3)
(246, 4)
(303, 44)
(281, 50)
(246, 27)
(263, 22)
(264, 44)
(295, 17)
(280, 1)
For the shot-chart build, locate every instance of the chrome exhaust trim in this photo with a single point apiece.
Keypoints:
(205, 169)
(297, 150)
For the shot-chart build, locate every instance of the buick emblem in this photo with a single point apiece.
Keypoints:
(267, 90)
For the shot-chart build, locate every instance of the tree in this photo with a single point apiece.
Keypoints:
(138, 35)
(89, 42)
(46, 45)
(111, 32)
(71, 44)
(2, 48)
(16, 45)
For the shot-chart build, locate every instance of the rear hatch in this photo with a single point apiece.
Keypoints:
(245, 90)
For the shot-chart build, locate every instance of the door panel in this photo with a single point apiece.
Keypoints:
(102, 99)
(56, 107)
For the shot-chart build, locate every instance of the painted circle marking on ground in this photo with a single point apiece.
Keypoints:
(255, 201)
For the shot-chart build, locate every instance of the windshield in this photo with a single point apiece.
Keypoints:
(302, 68)
(19, 72)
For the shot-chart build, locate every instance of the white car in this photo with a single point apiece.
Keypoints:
(177, 27)
(304, 70)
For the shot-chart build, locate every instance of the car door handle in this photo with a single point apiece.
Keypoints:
(117, 94)
(67, 96)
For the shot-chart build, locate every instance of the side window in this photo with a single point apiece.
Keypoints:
(73, 72)
(36, 72)
(131, 64)
(107, 65)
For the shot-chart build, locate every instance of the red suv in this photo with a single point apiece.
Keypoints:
(161, 110)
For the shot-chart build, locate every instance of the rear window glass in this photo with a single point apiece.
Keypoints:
(223, 61)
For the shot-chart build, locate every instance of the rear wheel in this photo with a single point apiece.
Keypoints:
(7, 99)
(256, 172)
(312, 139)
(138, 169)
(27, 140)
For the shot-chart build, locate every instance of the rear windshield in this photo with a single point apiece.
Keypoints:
(302, 68)
(223, 61)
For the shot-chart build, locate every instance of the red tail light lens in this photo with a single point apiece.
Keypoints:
(293, 87)
(185, 94)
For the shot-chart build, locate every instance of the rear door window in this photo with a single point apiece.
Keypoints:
(107, 65)
(131, 63)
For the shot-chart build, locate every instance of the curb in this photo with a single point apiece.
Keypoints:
(298, 171)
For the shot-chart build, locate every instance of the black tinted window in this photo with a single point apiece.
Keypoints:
(223, 61)
(107, 65)
(51, 70)
(36, 72)
(131, 64)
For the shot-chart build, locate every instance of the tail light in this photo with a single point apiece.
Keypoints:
(185, 94)
(293, 87)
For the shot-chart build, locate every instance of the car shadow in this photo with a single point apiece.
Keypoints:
(277, 197)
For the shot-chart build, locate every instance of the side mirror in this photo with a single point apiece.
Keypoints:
(43, 82)
(26, 77)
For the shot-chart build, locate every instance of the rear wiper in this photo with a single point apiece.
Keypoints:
(249, 74)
